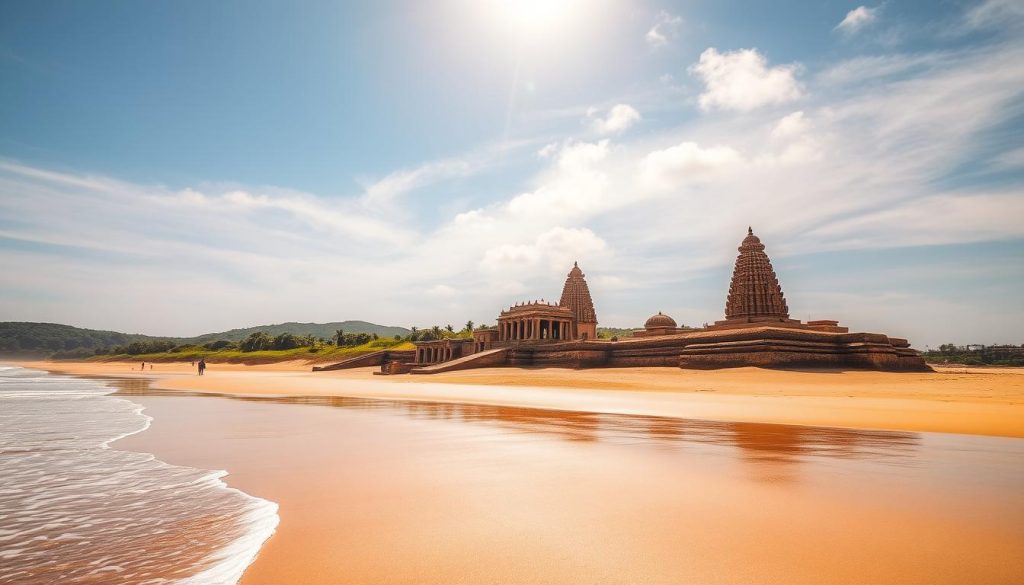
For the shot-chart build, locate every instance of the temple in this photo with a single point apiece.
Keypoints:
(757, 331)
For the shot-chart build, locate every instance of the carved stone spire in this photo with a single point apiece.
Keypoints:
(754, 291)
(576, 296)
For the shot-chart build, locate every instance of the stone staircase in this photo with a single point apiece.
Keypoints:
(375, 358)
(483, 359)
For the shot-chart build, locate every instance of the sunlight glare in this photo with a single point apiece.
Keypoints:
(535, 17)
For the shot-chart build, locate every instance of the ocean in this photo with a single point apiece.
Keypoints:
(75, 510)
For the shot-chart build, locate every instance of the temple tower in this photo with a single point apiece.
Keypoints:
(576, 297)
(754, 293)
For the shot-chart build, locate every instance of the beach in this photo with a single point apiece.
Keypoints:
(949, 400)
(605, 476)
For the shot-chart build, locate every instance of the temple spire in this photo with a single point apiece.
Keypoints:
(754, 291)
(576, 296)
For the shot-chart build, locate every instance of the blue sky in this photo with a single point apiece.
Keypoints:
(176, 168)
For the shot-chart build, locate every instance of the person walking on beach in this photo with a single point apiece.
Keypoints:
(202, 366)
(143, 368)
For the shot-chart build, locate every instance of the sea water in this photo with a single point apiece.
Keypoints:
(74, 510)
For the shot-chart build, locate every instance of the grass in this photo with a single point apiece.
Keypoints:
(323, 353)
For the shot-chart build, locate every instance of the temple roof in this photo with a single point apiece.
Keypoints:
(576, 296)
(754, 290)
(536, 308)
(660, 320)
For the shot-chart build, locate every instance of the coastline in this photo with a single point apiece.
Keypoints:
(63, 442)
(949, 400)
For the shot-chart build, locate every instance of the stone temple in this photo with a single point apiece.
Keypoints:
(757, 331)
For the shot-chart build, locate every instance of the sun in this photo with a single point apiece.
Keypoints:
(531, 18)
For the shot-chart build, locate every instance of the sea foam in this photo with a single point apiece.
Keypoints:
(72, 510)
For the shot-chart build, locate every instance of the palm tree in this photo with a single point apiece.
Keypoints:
(436, 331)
(339, 337)
(450, 328)
(469, 326)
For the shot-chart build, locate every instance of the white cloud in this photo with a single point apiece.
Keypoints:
(442, 290)
(574, 187)
(665, 28)
(790, 125)
(995, 13)
(384, 191)
(741, 80)
(552, 251)
(857, 19)
(684, 162)
(619, 119)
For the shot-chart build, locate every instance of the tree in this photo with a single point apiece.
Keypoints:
(286, 341)
(469, 326)
(450, 328)
(257, 341)
(436, 331)
(339, 337)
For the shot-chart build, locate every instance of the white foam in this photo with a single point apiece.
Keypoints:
(63, 487)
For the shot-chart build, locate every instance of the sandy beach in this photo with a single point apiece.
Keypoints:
(949, 400)
(605, 476)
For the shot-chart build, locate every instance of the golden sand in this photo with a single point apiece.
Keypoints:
(456, 489)
(476, 494)
(952, 400)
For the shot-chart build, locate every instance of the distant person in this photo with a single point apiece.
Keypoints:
(150, 367)
(193, 363)
(202, 366)
(143, 366)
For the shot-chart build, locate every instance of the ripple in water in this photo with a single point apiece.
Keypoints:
(73, 510)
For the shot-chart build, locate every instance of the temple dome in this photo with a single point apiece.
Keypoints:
(660, 321)
(751, 242)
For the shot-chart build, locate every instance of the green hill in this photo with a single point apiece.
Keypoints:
(325, 330)
(25, 337)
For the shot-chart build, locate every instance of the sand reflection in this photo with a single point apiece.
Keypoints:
(760, 444)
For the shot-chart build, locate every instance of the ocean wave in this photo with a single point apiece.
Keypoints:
(77, 511)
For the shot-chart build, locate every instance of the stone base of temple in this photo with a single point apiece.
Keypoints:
(774, 347)
(769, 347)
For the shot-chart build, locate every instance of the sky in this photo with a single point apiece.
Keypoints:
(175, 168)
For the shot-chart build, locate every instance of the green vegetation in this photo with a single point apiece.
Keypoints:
(976, 355)
(44, 338)
(610, 332)
(320, 352)
(66, 342)
(318, 330)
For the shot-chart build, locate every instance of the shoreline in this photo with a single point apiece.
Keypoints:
(954, 400)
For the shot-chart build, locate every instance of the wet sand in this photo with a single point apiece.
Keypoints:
(374, 491)
(952, 400)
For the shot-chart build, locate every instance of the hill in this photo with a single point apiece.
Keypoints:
(325, 330)
(45, 337)
(18, 336)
